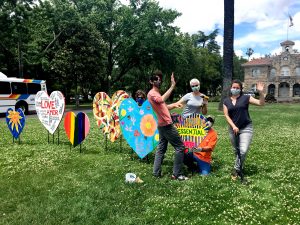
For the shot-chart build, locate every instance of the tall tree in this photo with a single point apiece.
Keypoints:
(227, 49)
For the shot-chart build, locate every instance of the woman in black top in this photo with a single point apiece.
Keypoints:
(240, 125)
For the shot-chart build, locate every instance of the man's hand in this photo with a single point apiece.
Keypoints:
(173, 82)
(194, 149)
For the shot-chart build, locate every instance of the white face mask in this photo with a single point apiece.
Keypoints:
(195, 88)
(235, 91)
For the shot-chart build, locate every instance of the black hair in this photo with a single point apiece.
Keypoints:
(156, 74)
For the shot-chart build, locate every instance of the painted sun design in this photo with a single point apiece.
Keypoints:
(14, 120)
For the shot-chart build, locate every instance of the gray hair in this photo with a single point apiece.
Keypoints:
(194, 80)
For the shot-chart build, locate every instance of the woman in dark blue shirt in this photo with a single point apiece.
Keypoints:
(236, 111)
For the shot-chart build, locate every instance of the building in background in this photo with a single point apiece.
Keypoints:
(280, 73)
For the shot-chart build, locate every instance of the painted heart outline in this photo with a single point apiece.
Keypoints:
(15, 121)
(106, 113)
(139, 126)
(77, 127)
(50, 109)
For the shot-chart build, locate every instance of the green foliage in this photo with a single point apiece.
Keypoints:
(45, 183)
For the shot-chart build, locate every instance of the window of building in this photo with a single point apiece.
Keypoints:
(273, 72)
(296, 89)
(255, 72)
(271, 89)
(285, 71)
(297, 71)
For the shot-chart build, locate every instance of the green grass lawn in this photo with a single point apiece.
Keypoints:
(43, 183)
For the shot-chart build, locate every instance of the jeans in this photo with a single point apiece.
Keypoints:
(202, 167)
(240, 144)
(168, 134)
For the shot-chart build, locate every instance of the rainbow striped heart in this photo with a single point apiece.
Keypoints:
(76, 127)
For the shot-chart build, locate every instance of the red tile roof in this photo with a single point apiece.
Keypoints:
(258, 62)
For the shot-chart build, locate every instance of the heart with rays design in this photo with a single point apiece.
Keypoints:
(106, 112)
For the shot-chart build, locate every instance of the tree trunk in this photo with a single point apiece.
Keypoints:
(227, 49)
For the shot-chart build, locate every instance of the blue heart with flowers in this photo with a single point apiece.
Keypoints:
(15, 121)
(139, 126)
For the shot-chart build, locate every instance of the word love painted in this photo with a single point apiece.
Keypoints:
(50, 109)
(50, 105)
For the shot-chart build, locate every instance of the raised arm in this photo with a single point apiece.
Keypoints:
(261, 100)
(167, 94)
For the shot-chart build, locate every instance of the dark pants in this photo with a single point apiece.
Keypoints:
(168, 134)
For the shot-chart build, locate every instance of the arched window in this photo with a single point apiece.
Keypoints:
(296, 90)
(271, 89)
(285, 71)
(283, 90)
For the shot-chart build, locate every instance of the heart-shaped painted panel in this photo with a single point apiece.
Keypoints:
(50, 109)
(15, 121)
(106, 112)
(76, 127)
(192, 129)
(139, 126)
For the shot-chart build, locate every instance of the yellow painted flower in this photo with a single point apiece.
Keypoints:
(148, 125)
(14, 121)
(123, 112)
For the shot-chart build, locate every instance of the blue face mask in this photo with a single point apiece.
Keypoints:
(235, 91)
(140, 101)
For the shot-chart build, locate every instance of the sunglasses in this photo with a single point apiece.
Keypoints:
(195, 85)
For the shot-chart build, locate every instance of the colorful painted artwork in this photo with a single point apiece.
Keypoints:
(76, 127)
(106, 112)
(192, 129)
(50, 109)
(15, 121)
(139, 126)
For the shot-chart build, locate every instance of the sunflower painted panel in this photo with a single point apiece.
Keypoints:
(139, 126)
(15, 121)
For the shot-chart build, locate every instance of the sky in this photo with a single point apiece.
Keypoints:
(259, 24)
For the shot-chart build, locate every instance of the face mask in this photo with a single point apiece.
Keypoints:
(235, 91)
(195, 88)
(140, 101)
(157, 83)
(209, 124)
